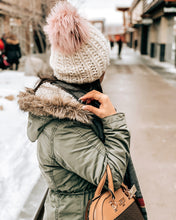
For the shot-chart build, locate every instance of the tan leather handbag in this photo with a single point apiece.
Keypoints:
(110, 205)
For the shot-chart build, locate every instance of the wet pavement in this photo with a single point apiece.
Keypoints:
(149, 101)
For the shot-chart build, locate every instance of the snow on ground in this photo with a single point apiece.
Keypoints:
(167, 66)
(18, 163)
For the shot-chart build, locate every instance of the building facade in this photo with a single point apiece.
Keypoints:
(154, 23)
(24, 18)
(135, 20)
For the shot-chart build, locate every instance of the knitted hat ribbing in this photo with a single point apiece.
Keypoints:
(79, 51)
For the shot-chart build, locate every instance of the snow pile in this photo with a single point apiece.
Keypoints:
(18, 163)
(167, 66)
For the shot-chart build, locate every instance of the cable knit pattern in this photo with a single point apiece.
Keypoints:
(87, 64)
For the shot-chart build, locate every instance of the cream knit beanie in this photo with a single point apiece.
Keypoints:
(79, 51)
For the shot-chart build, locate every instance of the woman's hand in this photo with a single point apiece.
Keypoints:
(106, 108)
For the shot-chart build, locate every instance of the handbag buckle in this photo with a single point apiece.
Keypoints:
(114, 205)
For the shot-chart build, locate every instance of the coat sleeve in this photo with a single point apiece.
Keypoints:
(79, 150)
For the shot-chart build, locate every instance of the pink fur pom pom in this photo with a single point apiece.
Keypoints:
(66, 29)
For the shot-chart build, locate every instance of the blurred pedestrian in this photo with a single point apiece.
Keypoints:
(13, 50)
(3, 38)
(79, 131)
(119, 41)
(135, 44)
(2, 45)
(3, 59)
(111, 40)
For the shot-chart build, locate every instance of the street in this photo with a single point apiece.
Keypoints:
(149, 103)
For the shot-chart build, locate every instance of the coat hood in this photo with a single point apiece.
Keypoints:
(36, 125)
(11, 41)
(48, 103)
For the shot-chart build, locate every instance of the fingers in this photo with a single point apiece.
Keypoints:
(106, 108)
(92, 95)
(92, 109)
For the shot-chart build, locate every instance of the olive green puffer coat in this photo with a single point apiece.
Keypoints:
(71, 157)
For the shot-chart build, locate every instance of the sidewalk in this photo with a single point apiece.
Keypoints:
(166, 70)
(149, 103)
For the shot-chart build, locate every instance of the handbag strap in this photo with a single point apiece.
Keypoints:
(87, 209)
(110, 180)
(102, 183)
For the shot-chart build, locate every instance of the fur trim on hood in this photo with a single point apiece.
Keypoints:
(13, 42)
(49, 100)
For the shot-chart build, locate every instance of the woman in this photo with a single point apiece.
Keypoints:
(12, 50)
(78, 130)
